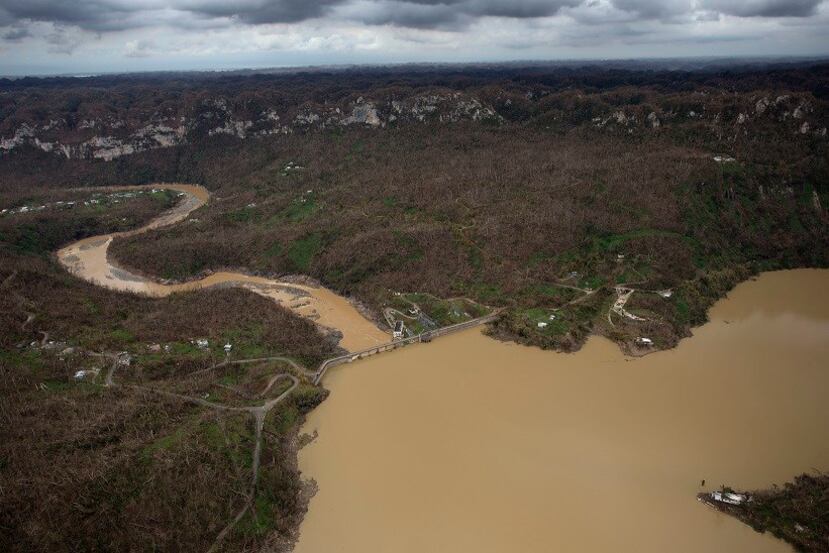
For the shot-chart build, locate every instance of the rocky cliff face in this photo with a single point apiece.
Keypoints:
(791, 114)
(122, 119)
(126, 133)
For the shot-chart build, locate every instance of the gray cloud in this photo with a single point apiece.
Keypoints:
(102, 16)
(16, 33)
(63, 41)
(416, 15)
(654, 9)
(763, 8)
(88, 14)
(115, 15)
(447, 14)
(525, 9)
(140, 49)
(258, 11)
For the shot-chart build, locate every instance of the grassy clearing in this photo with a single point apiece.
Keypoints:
(301, 252)
(613, 242)
(300, 209)
(555, 326)
(443, 312)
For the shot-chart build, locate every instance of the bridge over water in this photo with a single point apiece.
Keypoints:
(422, 337)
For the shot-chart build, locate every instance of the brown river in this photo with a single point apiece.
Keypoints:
(88, 259)
(469, 444)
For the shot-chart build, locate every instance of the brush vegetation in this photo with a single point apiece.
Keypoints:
(568, 190)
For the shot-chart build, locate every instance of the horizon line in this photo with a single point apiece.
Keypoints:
(729, 59)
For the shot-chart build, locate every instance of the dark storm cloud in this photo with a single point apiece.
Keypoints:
(15, 34)
(113, 15)
(416, 15)
(654, 9)
(87, 14)
(763, 8)
(449, 13)
(525, 9)
(63, 40)
(259, 11)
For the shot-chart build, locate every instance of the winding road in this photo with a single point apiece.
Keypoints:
(88, 259)
(259, 413)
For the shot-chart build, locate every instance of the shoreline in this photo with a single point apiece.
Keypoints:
(303, 282)
(342, 422)
(308, 284)
(329, 310)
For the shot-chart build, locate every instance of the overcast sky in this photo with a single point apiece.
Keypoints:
(87, 36)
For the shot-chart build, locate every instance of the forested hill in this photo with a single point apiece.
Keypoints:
(546, 190)
(110, 116)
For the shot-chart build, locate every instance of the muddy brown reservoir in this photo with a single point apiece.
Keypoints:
(469, 444)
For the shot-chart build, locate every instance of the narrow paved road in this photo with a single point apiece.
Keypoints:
(259, 413)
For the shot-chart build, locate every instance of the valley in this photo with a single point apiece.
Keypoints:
(218, 366)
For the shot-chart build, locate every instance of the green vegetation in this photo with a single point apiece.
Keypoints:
(244, 215)
(553, 321)
(613, 242)
(132, 456)
(566, 331)
(653, 213)
(426, 312)
(539, 211)
(302, 251)
(798, 512)
(42, 232)
(121, 336)
(299, 210)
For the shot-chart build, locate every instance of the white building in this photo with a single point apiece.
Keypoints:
(729, 497)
